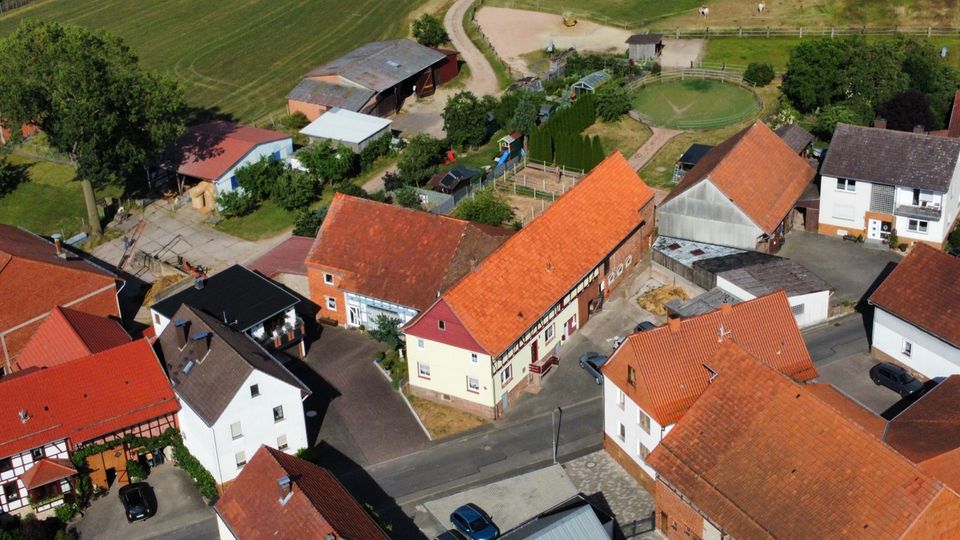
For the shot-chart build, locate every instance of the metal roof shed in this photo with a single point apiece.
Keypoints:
(349, 128)
(591, 82)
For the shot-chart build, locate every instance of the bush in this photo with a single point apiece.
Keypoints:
(893, 240)
(758, 74)
(65, 512)
(429, 31)
(201, 476)
(257, 179)
(612, 102)
(294, 189)
(135, 470)
(656, 68)
(902, 247)
(235, 204)
(349, 188)
(392, 181)
(420, 159)
(485, 206)
(954, 238)
(408, 197)
(374, 150)
(398, 368)
(308, 454)
(329, 164)
(308, 221)
(294, 122)
(387, 331)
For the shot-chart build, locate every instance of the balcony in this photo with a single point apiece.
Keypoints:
(926, 212)
(282, 336)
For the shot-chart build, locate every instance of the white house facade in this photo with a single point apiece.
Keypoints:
(634, 432)
(922, 352)
(809, 309)
(363, 310)
(14, 494)
(280, 150)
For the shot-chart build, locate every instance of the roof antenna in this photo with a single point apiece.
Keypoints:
(224, 317)
(721, 333)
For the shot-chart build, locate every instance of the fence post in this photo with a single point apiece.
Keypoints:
(768, 31)
(832, 30)
(801, 32)
(928, 32)
(739, 31)
(678, 32)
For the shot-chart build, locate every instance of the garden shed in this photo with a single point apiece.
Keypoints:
(352, 129)
(644, 47)
(591, 82)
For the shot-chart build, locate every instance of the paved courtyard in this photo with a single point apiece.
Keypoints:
(851, 375)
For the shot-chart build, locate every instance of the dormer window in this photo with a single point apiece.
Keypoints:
(441, 325)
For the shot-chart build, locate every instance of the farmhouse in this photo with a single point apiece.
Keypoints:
(654, 377)
(916, 320)
(210, 154)
(373, 79)
(644, 47)
(235, 395)
(348, 128)
(876, 182)
(755, 438)
(36, 276)
(67, 334)
(371, 259)
(496, 331)
(50, 413)
(741, 193)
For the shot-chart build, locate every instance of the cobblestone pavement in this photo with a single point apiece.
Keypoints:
(601, 478)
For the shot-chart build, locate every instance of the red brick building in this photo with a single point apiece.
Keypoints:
(35, 277)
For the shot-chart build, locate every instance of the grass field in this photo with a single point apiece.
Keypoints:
(241, 58)
(670, 103)
(625, 135)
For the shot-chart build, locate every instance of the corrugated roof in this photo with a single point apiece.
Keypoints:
(885, 156)
(578, 523)
(346, 96)
(763, 275)
(704, 303)
(380, 65)
(207, 151)
(343, 125)
(67, 334)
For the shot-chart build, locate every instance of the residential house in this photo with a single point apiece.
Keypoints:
(374, 79)
(67, 334)
(655, 377)
(51, 412)
(741, 194)
(875, 182)
(497, 330)
(244, 300)
(644, 47)
(37, 275)
(916, 316)
(286, 265)
(744, 274)
(762, 456)
(371, 259)
(282, 496)
(344, 127)
(210, 154)
(235, 395)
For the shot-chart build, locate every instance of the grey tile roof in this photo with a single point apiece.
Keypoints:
(885, 156)
(351, 98)
(211, 384)
(795, 136)
(379, 65)
(760, 274)
(640, 39)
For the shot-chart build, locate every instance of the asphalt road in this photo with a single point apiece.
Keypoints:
(838, 339)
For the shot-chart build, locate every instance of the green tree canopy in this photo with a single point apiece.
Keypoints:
(465, 120)
(906, 110)
(408, 197)
(89, 95)
(308, 221)
(758, 74)
(295, 189)
(485, 206)
(612, 102)
(330, 164)
(259, 178)
(420, 159)
(524, 117)
(428, 30)
(814, 76)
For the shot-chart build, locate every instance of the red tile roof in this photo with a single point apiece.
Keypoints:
(209, 150)
(47, 470)
(532, 270)
(318, 503)
(33, 280)
(931, 425)
(923, 291)
(669, 360)
(84, 399)
(851, 410)
(761, 456)
(757, 171)
(398, 254)
(289, 257)
(67, 334)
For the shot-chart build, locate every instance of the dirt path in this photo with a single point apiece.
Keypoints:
(483, 80)
(658, 138)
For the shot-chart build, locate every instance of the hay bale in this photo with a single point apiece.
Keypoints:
(655, 300)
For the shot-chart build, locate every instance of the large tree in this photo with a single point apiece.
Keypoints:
(814, 76)
(485, 206)
(429, 31)
(420, 159)
(465, 120)
(88, 93)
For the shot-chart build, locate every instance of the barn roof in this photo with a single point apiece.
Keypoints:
(345, 125)
(344, 96)
(380, 65)
(644, 39)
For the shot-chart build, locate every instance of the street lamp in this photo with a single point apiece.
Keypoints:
(556, 416)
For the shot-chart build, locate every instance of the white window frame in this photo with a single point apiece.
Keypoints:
(473, 388)
(420, 343)
(506, 375)
(441, 325)
(914, 225)
(331, 303)
(907, 349)
(328, 279)
(282, 443)
(236, 433)
(240, 458)
(423, 370)
(550, 333)
(846, 185)
(474, 358)
(621, 399)
(281, 417)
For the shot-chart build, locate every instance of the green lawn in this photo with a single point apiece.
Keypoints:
(667, 104)
(625, 135)
(240, 57)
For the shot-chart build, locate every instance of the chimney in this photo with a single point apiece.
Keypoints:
(183, 329)
(286, 488)
(198, 283)
(726, 309)
(674, 325)
(919, 129)
(880, 123)
(201, 344)
(58, 245)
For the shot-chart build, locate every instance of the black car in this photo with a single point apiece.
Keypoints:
(896, 378)
(452, 534)
(592, 362)
(138, 501)
(644, 326)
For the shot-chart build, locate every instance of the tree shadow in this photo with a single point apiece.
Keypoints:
(12, 175)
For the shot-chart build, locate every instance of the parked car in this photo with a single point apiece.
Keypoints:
(644, 326)
(138, 501)
(592, 362)
(896, 378)
(452, 534)
(474, 523)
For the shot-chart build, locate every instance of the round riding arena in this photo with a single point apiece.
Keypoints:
(694, 103)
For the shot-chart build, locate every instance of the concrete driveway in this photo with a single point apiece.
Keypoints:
(851, 375)
(359, 413)
(181, 512)
(850, 268)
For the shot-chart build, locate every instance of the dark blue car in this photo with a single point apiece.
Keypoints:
(472, 521)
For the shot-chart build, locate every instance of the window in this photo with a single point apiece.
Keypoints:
(37, 453)
(331, 303)
(423, 370)
(629, 260)
(282, 442)
(441, 325)
(642, 451)
(254, 390)
(506, 375)
(621, 398)
(156, 319)
(328, 279)
(419, 343)
(278, 413)
(473, 385)
(643, 420)
(907, 348)
(631, 376)
(621, 431)
(276, 156)
(916, 225)
(241, 458)
(11, 491)
(236, 431)
(233, 182)
(797, 309)
(844, 184)
(474, 359)
(549, 333)
(6, 464)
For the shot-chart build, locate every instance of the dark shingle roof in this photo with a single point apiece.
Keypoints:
(351, 98)
(210, 385)
(644, 39)
(892, 157)
(795, 136)
(760, 273)
(379, 65)
(236, 293)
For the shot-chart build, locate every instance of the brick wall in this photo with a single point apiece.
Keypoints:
(632, 249)
(675, 517)
(311, 110)
(320, 291)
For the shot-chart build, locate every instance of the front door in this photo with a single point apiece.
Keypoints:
(534, 352)
(505, 401)
(878, 229)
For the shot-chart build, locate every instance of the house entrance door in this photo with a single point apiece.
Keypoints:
(879, 230)
(534, 352)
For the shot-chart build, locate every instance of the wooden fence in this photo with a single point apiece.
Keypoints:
(802, 31)
(7, 5)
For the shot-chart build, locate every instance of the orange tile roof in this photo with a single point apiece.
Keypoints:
(318, 503)
(757, 171)
(67, 334)
(923, 291)
(761, 456)
(944, 467)
(851, 410)
(398, 254)
(518, 283)
(669, 360)
(84, 399)
(47, 470)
